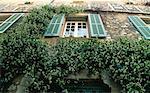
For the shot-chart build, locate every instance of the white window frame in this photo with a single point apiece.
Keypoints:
(76, 29)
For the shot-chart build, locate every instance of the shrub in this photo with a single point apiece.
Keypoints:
(35, 24)
(127, 61)
(130, 63)
(20, 54)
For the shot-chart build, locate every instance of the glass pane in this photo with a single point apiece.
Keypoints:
(66, 33)
(68, 23)
(84, 24)
(67, 29)
(73, 23)
(71, 33)
(79, 26)
(72, 29)
(72, 26)
(68, 26)
(79, 23)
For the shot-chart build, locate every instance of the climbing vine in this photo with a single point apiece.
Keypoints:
(36, 22)
(127, 61)
(20, 54)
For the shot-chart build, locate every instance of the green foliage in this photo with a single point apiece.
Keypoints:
(35, 23)
(20, 54)
(67, 57)
(67, 10)
(128, 62)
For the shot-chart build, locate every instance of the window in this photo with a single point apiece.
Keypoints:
(88, 86)
(76, 29)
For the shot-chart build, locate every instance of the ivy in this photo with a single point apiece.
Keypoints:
(127, 61)
(20, 54)
(122, 58)
(36, 22)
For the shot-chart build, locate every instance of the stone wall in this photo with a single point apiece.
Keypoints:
(118, 25)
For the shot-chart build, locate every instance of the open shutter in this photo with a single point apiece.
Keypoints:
(96, 26)
(55, 25)
(140, 25)
(10, 21)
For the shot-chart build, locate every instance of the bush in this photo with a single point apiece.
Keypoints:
(20, 51)
(127, 61)
(20, 54)
(35, 24)
(129, 64)
(67, 57)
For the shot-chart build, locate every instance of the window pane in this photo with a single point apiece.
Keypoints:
(79, 23)
(79, 26)
(84, 26)
(73, 23)
(67, 29)
(84, 23)
(72, 29)
(72, 26)
(68, 23)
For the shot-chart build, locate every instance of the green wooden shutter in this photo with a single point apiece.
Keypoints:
(55, 25)
(96, 26)
(10, 21)
(141, 26)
